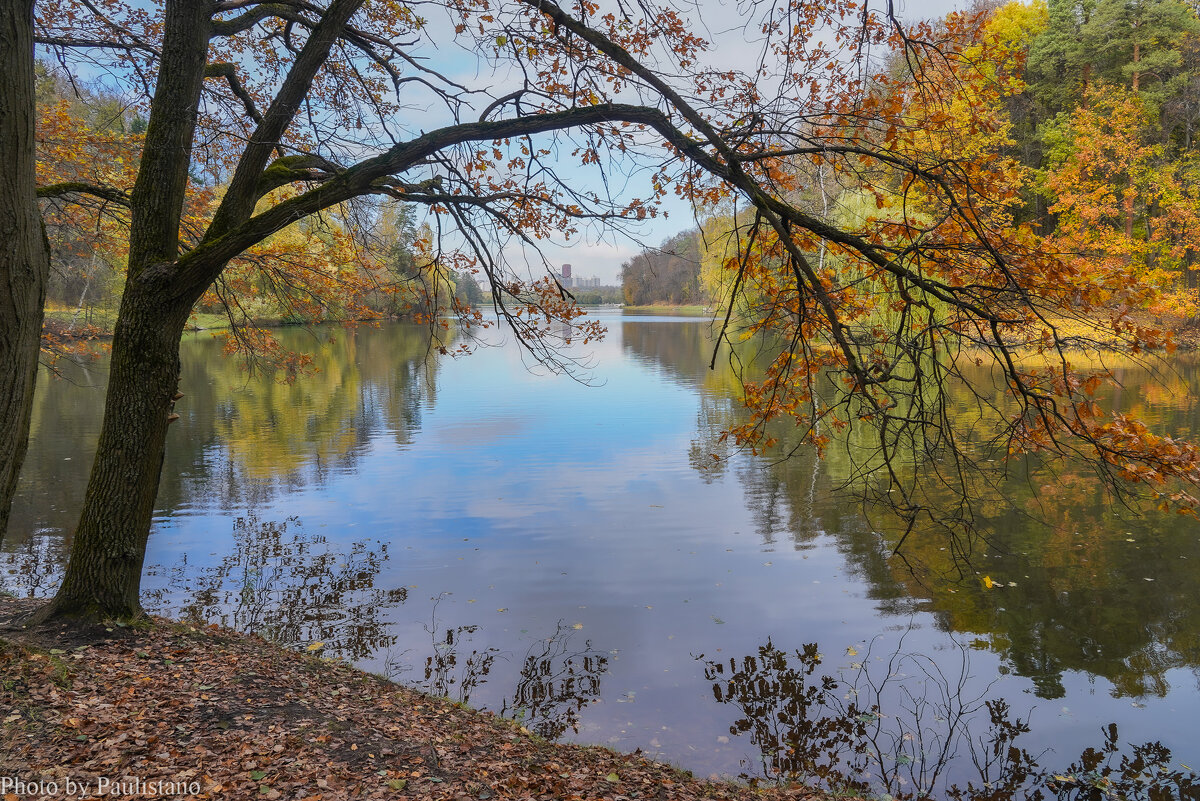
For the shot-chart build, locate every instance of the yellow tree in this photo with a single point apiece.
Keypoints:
(1123, 210)
(85, 170)
(938, 274)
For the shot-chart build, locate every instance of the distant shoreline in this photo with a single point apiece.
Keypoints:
(690, 311)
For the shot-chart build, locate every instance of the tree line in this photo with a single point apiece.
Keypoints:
(372, 258)
(1099, 110)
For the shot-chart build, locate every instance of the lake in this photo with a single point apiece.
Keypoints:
(569, 553)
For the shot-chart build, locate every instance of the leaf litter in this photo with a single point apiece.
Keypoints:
(248, 719)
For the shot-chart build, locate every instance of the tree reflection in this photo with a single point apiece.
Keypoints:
(1072, 585)
(556, 682)
(448, 673)
(34, 569)
(906, 726)
(291, 586)
(241, 441)
(264, 436)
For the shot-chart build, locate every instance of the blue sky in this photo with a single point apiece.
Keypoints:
(600, 253)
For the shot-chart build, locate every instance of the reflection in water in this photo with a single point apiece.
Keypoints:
(444, 676)
(35, 568)
(241, 441)
(293, 588)
(524, 501)
(265, 438)
(1075, 581)
(904, 726)
(290, 586)
(556, 683)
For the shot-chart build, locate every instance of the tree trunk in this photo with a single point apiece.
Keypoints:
(1137, 57)
(24, 252)
(105, 569)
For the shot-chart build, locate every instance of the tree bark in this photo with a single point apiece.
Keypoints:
(103, 574)
(24, 252)
(105, 567)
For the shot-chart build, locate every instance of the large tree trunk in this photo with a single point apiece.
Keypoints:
(104, 573)
(105, 568)
(24, 252)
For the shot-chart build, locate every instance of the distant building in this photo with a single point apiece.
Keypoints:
(570, 281)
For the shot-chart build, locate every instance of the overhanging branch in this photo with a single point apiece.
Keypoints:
(82, 188)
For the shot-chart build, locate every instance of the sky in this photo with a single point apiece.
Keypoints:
(601, 254)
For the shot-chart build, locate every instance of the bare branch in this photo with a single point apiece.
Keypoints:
(226, 70)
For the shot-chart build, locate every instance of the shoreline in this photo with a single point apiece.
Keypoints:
(229, 715)
(682, 311)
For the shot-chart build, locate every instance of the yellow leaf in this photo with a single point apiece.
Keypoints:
(988, 583)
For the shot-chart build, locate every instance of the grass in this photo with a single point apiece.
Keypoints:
(203, 322)
(683, 311)
(105, 318)
(102, 318)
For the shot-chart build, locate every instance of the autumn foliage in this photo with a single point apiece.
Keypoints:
(878, 228)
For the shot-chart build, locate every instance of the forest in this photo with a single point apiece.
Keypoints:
(1098, 109)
